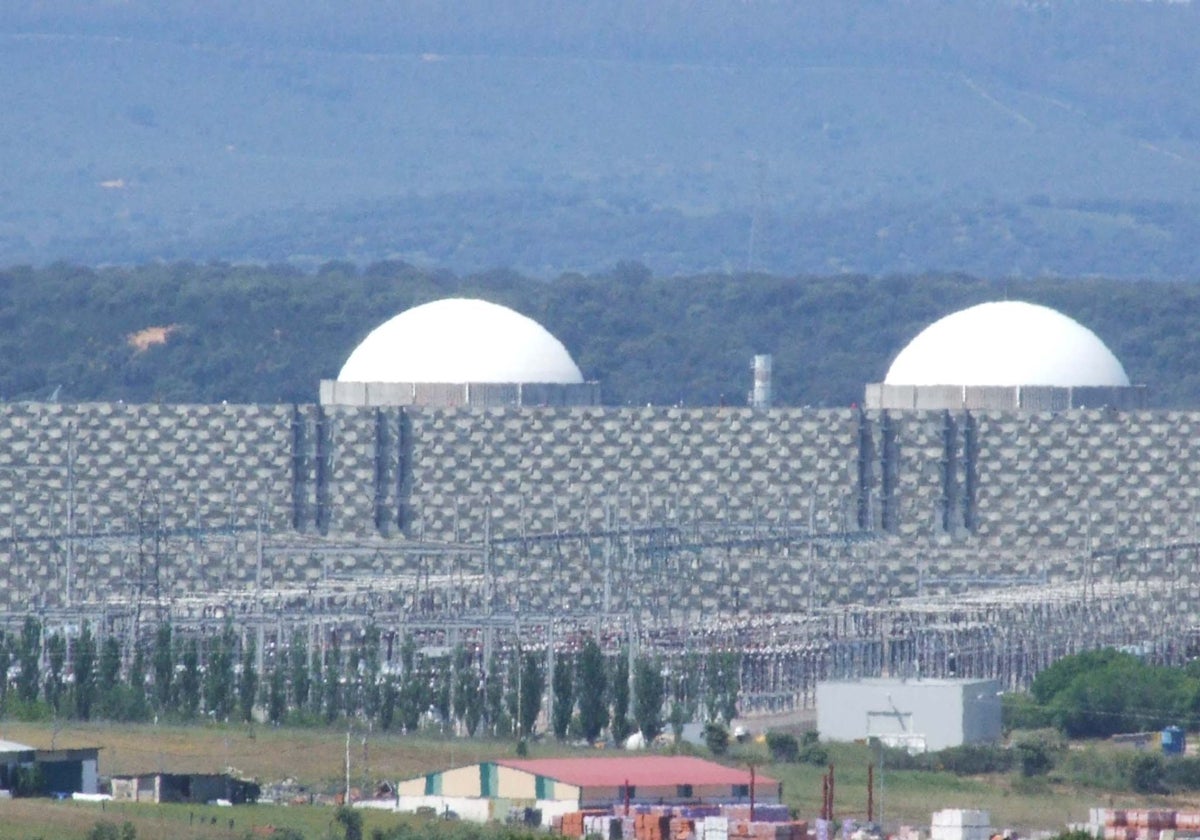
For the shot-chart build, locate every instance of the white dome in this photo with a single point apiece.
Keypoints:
(460, 340)
(1007, 343)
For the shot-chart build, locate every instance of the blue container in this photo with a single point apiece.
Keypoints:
(1173, 741)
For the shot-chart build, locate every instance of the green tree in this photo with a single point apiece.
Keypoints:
(189, 679)
(493, 698)
(413, 699)
(564, 695)
(316, 681)
(108, 677)
(388, 702)
(592, 681)
(1053, 680)
(277, 693)
(371, 684)
(30, 652)
(716, 738)
(298, 657)
(332, 680)
(443, 680)
(350, 820)
(5, 665)
(84, 668)
(164, 668)
(136, 707)
(468, 698)
(619, 690)
(784, 747)
(56, 659)
(533, 685)
(1146, 772)
(248, 680)
(648, 692)
(722, 681)
(1034, 757)
(218, 678)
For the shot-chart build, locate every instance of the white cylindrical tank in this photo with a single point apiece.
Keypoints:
(760, 397)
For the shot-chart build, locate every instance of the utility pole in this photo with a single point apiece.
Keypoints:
(346, 801)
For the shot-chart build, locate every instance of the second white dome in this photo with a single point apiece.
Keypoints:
(1007, 343)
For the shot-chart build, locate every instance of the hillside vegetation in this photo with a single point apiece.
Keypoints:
(988, 136)
(185, 332)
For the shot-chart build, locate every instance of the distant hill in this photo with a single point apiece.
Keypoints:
(872, 136)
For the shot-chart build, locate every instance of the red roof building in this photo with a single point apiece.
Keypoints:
(590, 782)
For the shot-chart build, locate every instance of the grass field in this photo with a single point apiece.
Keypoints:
(315, 758)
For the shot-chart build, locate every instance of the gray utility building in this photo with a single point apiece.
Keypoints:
(917, 715)
(29, 771)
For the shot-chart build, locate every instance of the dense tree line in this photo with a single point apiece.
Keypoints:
(221, 676)
(1106, 692)
(270, 333)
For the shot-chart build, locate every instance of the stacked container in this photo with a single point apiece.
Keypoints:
(960, 824)
(1142, 824)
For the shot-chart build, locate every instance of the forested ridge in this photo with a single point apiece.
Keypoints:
(991, 137)
(186, 332)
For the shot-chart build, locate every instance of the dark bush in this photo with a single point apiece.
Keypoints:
(811, 751)
(1146, 773)
(1036, 758)
(972, 760)
(784, 748)
(1181, 774)
(716, 738)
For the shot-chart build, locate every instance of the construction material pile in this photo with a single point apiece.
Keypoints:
(1141, 824)
(683, 822)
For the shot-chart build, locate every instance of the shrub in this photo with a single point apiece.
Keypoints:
(716, 738)
(1181, 774)
(1022, 711)
(784, 748)
(1035, 758)
(104, 830)
(972, 760)
(1146, 773)
(811, 751)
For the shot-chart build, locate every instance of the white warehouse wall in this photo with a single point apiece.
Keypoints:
(927, 714)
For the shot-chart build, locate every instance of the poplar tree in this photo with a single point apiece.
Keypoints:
(248, 680)
(592, 687)
(5, 665)
(648, 692)
(29, 654)
(189, 679)
(164, 668)
(564, 696)
(277, 693)
(533, 684)
(298, 656)
(108, 677)
(56, 659)
(332, 680)
(84, 668)
(619, 690)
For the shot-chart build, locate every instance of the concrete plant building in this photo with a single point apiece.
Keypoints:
(488, 790)
(460, 352)
(1006, 355)
(918, 715)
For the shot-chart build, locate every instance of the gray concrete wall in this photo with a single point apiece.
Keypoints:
(934, 714)
(1024, 497)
